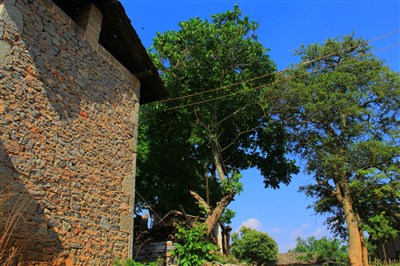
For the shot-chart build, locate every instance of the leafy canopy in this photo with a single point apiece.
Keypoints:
(253, 246)
(342, 108)
(210, 135)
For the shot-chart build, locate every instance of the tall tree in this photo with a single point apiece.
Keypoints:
(342, 106)
(376, 201)
(202, 141)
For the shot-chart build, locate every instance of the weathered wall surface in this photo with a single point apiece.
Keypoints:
(154, 251)
(68, 118)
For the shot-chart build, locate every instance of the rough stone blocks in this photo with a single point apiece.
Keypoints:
(67, 155)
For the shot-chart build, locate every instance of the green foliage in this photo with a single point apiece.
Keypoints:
(201, 64)
(250, 245)
(233, 184)
(341, 106)
(322, 250)
(381, 263)
(193, 247)
(227, 216)
(380, 227)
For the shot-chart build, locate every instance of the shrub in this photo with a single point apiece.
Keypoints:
(193, 247)
(322, 250)
(250, 245)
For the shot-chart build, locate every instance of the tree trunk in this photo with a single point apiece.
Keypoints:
(364, 247)
(364, 242)
(365, 255)
(355, 247)
(200, 201)
(384, 252)
(227, 237)
(217, 162)
(216, 213)
(213, 215)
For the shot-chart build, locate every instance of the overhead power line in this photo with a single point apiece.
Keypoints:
(149, 206)
(277, 72)
(267, 84)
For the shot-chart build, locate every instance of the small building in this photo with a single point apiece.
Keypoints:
(72, 76)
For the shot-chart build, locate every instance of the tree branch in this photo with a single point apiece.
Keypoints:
(217, 161)
(232, 114)
(200, 201)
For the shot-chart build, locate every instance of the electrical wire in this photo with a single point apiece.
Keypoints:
(264, 85)
(149, 206)
(275, 72)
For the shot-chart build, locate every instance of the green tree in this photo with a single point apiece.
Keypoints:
(342, 106)
(253, 246)
(324, 250)
(199, 144)
(227, 216)
(377, 205)
(192, 247)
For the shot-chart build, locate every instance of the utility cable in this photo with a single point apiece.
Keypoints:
(266, 84)
(275, 72)
(148, 205)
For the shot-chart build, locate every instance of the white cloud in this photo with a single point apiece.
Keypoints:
(301, 231)
(252, 223)
(318, 232)
(304, 226)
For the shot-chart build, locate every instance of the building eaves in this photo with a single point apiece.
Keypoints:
(120, 39)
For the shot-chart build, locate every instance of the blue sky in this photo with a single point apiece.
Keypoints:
(284, 26)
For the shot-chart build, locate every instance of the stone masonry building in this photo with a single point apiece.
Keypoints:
(72, 76)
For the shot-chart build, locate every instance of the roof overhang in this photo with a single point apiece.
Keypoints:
(120, 39)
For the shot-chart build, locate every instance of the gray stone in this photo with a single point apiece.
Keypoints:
(38, 193)
(5, 53)
(104, 224)
(66, 226)
(12, 16)
(126, 223)
(75, 206)
(31, 208)
(43, 230)
(75, 245)
(35, 113)
(49, 205)
(128, 184)
(53, 234)
(1, 28)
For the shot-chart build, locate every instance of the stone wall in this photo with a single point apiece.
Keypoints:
(154, 251)
(68, 125)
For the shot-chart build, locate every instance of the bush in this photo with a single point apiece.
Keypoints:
(322, 250)
(250, 245)
(193, 247)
